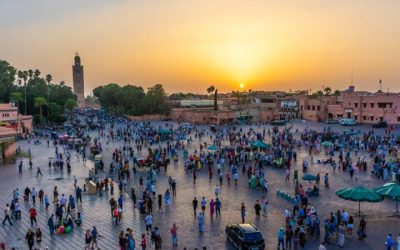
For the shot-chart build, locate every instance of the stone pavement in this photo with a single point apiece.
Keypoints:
(96, 210)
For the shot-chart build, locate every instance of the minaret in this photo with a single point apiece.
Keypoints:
(77, 78)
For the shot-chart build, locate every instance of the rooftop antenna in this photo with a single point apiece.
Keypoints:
(380, 85)
(352, 76)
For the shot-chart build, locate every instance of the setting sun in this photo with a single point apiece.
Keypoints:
(241, 85)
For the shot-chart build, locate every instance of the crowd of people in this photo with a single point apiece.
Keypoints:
(226, 154)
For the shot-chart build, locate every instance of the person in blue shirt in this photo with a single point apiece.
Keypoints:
(281, 236)
(94, 234)
(389, 242)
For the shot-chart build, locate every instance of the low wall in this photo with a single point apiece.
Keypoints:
(148, 118)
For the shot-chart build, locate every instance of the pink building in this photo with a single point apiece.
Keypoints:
(315, 108)
(367, 107)
(203, 116)
(9, 117)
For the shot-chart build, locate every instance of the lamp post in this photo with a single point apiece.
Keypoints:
(25, 98)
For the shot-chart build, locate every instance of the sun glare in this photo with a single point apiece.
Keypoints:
(241, 86)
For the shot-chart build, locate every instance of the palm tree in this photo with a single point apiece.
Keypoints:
(36, 73)
(30, 74)
(210, 89)
(25, 78)
(336, 93)
(16, 97)
(328, 91)
(39, 103)
(20, 76)
(48, 80)
(69, 105)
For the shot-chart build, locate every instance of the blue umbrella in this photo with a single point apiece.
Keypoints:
(212, 148)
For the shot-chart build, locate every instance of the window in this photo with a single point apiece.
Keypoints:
(398, 118)
(381, 105)
(365, 105)
(381, 118)
(355, 117)
(372, 105)
(371, 117)
(318, 108)
(313, 107)
(308, 107)
(301, 107)
(364, 118)
(356, 104)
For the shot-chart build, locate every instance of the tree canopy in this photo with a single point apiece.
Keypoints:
(132, 100)
(23, 87)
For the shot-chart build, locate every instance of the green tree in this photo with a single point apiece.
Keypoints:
(156, 101)
(7, 80)
(336, 93)
(16, 97)
(39, 103)
(327, 91)
(209, 91)
(70, 104)
(36, 73)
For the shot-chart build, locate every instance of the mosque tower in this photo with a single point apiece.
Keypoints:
(77, 78)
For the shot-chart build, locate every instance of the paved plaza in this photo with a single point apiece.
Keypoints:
(96, 209)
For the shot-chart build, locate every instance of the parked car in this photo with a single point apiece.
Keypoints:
(279, 122)
(347, 122)
(331, 121)
(382, 124)
(245, 236)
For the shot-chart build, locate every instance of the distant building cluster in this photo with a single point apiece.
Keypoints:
(262, 107)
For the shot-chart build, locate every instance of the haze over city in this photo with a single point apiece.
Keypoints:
(188, 45)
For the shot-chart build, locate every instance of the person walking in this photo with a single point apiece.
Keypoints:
(39, 172)
(88, 239)
(218, 206)
(289, 236)
(389, 242)
(46, 202)
(174, 234)
(201, 222)
(149, 222)
(281, 238)
(243, 212)
(94, 234)
(212, 208)
(265, 206)
(342, 232)
(203, 204)
(195, 206)
(30, 239)
(257, 209)
(50, 224)
(7, 212)
(143, 243)
(32, 215)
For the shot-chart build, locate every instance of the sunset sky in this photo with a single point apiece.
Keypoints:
(187, 45)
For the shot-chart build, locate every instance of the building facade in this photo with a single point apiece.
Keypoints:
(78, 81)
(315, 108)
(10, 118)
(367, 108)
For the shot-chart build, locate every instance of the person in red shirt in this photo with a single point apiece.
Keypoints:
(33, 213)
(143, 244)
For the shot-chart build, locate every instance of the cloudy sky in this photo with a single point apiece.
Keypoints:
(186, 45)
